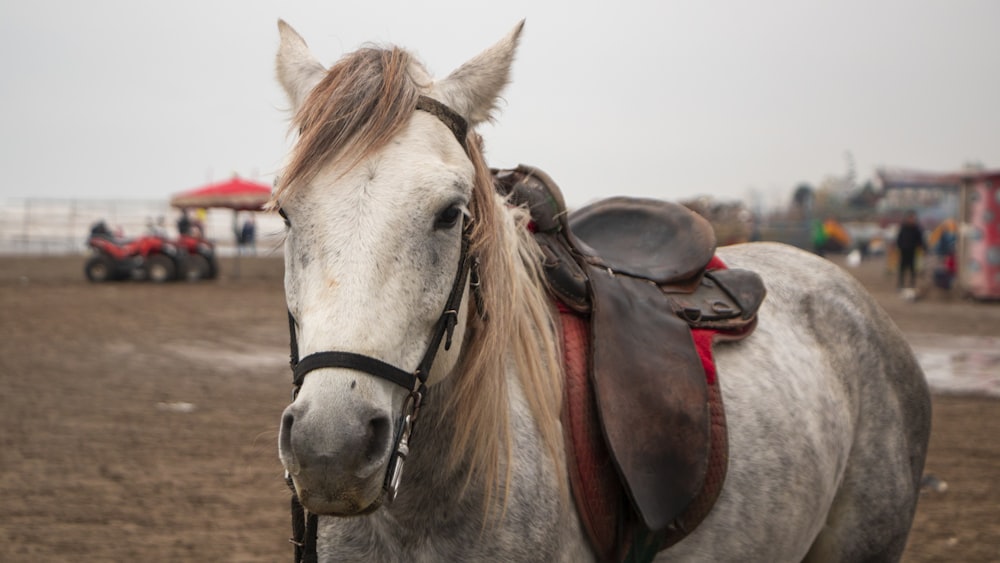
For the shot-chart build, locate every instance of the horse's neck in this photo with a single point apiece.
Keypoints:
(430, 479)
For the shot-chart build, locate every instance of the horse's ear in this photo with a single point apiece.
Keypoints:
(298, 69)
(473, 88)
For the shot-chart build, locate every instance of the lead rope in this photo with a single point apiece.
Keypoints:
(304, 523)
(304, 529)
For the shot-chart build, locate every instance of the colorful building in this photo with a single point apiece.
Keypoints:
(977, 214)
(979, 235)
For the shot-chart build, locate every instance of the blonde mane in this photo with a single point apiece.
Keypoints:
(516, 330)
(358, 107)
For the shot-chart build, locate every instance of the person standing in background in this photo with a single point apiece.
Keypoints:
(248, 236)
(909, 239)
(184, 224)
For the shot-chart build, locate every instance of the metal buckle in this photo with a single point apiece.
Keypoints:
(474, 281)
(450, 319)
(399, 458)
(411, 409)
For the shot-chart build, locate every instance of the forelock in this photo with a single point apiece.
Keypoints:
(362, 102)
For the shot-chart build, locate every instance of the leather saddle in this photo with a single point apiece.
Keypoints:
(638, 268)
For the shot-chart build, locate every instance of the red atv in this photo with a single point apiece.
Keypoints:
(147, 257)
(200, 262)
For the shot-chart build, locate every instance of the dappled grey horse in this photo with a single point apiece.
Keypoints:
(417, 303)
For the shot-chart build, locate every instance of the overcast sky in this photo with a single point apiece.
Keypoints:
(140, 99)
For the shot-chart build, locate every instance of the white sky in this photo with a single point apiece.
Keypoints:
(671, 99)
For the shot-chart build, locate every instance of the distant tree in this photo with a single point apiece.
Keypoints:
(803, 199)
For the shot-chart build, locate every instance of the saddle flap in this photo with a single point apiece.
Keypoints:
(647, 238)
(657, 429)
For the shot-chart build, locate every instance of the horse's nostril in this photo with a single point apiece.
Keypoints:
(285, 438)
(378, 436)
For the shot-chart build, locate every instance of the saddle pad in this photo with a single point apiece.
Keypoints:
(599, 496)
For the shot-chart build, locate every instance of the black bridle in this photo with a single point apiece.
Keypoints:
(304, 524)
(413, 381)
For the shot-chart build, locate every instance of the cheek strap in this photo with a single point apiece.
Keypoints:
(444, 329)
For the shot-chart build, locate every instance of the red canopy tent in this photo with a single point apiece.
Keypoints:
(236, 194)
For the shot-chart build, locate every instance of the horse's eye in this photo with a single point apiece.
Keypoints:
(448, 218)
(285, 217)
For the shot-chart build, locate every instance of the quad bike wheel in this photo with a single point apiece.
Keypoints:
(213, 266)
(197, 267)
(99, 269)
(160, 268)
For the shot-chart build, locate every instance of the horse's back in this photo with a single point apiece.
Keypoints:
(829, 417)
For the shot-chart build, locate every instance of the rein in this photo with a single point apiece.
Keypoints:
(305, 524)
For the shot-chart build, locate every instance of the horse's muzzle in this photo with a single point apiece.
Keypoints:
(336, 460)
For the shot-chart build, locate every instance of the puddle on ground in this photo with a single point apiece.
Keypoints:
(232, 359)
(959, 364)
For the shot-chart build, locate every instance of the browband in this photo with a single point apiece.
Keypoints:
(458, 125)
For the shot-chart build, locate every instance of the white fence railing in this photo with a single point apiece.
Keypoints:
(61, 226)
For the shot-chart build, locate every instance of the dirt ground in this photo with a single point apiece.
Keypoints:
(140, 421)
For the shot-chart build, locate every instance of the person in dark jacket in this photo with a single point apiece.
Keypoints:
(909, 239)
(248, 236)
(184, 224)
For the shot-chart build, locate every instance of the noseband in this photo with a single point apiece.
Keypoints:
(413, 381)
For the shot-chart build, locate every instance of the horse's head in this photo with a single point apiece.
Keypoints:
(379, 197)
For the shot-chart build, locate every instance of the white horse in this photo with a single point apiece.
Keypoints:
(828, 411)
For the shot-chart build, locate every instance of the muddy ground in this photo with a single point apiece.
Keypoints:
(139, 421)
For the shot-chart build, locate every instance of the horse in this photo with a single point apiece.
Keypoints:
(420, 311)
